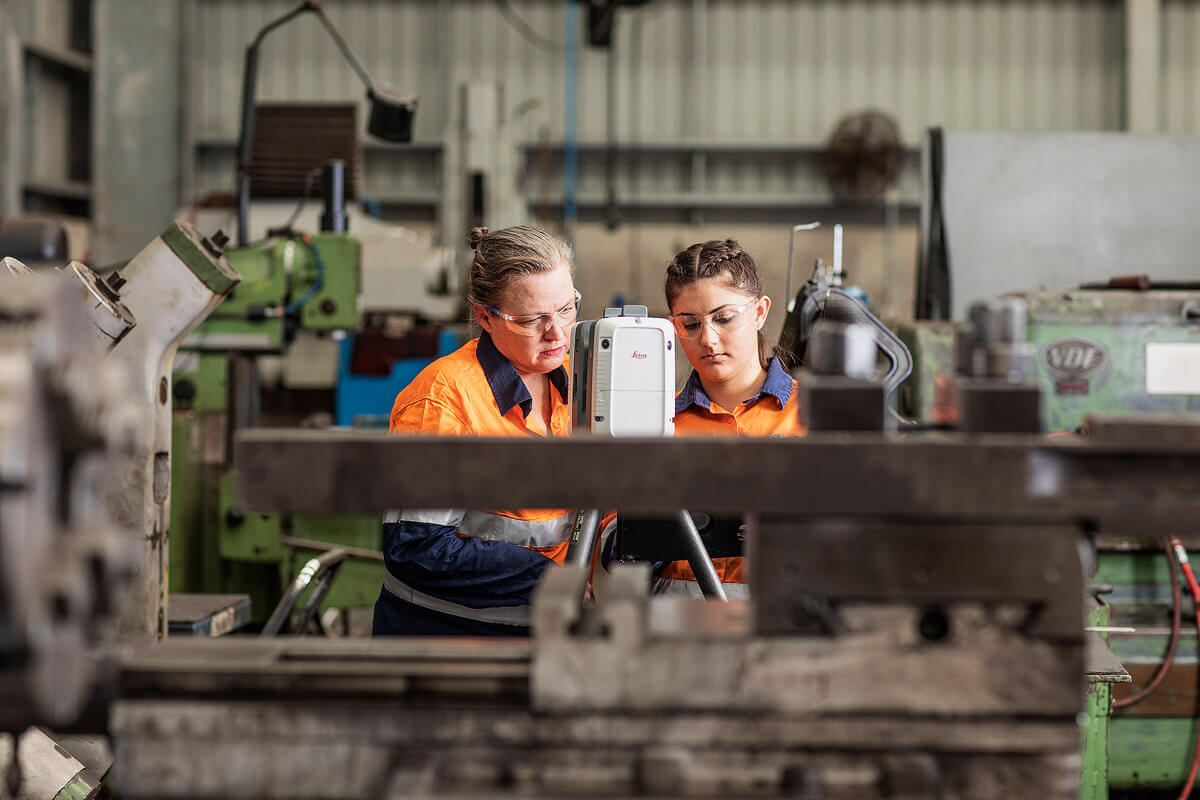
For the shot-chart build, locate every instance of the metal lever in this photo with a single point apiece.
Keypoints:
(699, 560)
(325, 565)
(583, 537)
(808, 226)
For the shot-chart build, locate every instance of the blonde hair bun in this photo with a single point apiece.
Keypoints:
(476, 236)
(511, 253)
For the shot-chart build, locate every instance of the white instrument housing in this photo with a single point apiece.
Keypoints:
(623, 374)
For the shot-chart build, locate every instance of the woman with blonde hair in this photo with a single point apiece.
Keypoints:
(463, 572)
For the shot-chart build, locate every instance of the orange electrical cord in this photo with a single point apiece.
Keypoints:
(1169, 658)
(1182, 557)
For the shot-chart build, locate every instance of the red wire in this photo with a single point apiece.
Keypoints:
(1169, 658)
(1181, 555)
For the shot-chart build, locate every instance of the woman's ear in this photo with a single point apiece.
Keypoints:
(760, 314)
(482, 317)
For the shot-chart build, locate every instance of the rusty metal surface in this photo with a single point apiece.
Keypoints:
(876, 715)
(954, 666)
(799, 567)
(1148, 491)
(1176, 696)
(398, 723)
(879, 662)
(1132, 430)
(1100, 664)
(996, 406)
(836, 403)
(660, 696)
(858, 474)
(1112, 487)
(372, 750)
(207, 614)
(1089, 306)
(344, 668)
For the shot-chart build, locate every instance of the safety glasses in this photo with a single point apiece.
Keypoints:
(536, 324)
(723, 320)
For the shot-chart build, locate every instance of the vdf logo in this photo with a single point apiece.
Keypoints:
(1072, 359)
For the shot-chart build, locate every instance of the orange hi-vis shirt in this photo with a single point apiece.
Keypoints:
(474, 391)
(469, 571)
(771, 412)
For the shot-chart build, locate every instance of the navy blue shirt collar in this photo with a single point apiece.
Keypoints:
(507, 386)
(778, 385)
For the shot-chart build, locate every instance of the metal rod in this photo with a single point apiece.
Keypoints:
(583, 538)
(788, 298)
(319, 592)
(698, 558)
(612, 213)
(246, 136)
(243, 395)
(245, 139)
(249, 88)
(325, 547)
(313, 568)
(333, 218)
(571, 124)
(355, 64)
(836, 278)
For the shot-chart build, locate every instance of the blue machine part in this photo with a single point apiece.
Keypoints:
(365, 401)
(858, 293)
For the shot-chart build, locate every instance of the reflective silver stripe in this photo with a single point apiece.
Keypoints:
(503, 615)
(496, 527)
(450, 519)
(692, 589)
(607, 531)
(523, 532)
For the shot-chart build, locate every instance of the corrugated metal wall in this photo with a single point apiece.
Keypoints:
(768, 70)
(751, 72)
(1181, 66)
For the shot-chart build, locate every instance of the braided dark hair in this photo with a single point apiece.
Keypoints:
(713, 259)
(717, 259)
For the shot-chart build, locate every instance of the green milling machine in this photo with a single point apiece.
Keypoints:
(291, 283)
(295, 284)
(1133, 348)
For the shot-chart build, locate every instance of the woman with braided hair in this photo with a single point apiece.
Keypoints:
(718, 308)
(736, 388)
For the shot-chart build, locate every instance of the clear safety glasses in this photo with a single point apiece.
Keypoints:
(536, 324)
(723, 320)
